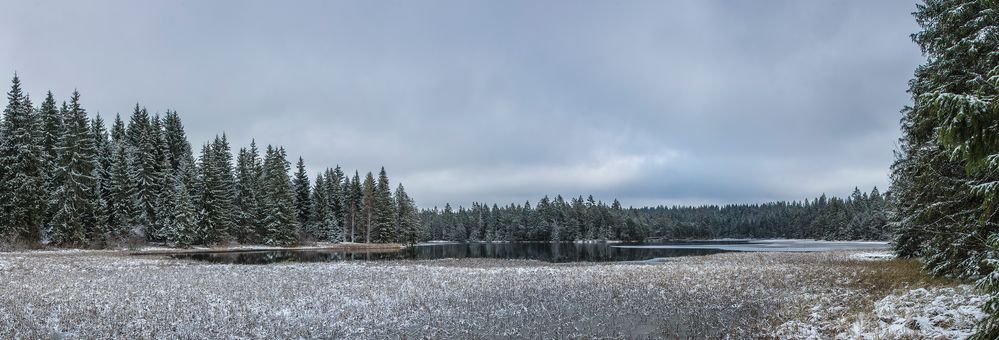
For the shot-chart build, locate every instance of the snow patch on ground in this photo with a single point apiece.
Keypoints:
(923, 313)
(872, 256)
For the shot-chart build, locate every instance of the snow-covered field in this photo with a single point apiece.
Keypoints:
(823, 295)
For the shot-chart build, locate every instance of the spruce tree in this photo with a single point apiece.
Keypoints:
(121, 209)
(407, 219)
(102, 176)
(216, 190)
(303, 202)
(946, 176)
(384, 218)
(280, 223)
(184, 216)
(248, 195)
(75, 200)
(22, 158)
(369, 206)
(179, 149)
(353, 196)
(227, 186)
(142, 143)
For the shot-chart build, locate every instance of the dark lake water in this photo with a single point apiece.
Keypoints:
(549, 252)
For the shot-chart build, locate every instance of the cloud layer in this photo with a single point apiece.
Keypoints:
(675, 102)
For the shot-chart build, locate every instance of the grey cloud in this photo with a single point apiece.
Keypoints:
(647, 101)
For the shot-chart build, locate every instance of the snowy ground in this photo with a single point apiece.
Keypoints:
(823, 295)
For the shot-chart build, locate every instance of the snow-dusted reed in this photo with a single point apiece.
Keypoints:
(102, 294)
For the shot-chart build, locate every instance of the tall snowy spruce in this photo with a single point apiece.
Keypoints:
(23, 162)
(75, 201)
(121, 207)
(249, 211)
(102, 176)
(144, 169)
(369, 204)
(216, 188)
(280, 221)
(384, 214)
(325, 223)
(353, 196)
(407, 218)
(179, 210)
(946, 176)
(303, 201)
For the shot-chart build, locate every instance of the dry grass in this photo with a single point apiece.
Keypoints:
(740, 295)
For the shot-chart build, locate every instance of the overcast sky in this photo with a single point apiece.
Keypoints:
(659, 102)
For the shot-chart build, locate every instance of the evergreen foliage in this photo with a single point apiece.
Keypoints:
(384, 218)
(280, 223)
(858, 217)
(946, 173)
(249, 212)
(75, 201)
(303, 200)
(69, 181)
(23, 161)
(407, 217)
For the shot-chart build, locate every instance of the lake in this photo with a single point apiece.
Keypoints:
(548, 252)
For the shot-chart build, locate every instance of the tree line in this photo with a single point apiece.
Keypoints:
(860, 216)
(69, 181)
(946, 173)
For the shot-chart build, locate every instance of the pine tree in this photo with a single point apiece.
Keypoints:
(22, 158)
(75, 200)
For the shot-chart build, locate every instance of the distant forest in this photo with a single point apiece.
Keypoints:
(862, 216)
